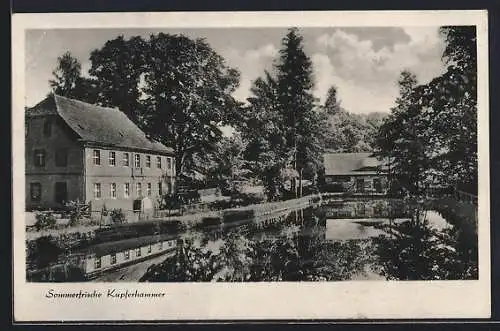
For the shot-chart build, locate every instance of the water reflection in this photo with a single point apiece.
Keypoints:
(351, 229)
(304, 246)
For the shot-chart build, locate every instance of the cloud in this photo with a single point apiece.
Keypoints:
(251, 64)
(364, 63)
(366, 76)
(353, 96)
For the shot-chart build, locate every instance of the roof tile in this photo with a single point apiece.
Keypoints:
(98, 124)
(350, 164)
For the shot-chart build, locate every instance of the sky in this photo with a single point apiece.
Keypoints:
(363, 63)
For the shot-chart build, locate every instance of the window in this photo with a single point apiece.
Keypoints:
(112, 190)
(148, 161)
(169, 187)
(61, 192)
(137, 160)
(97, 263)
(97, 157)
(361, 210)
(126, 159)
(159, 189)
(138, 189)
(36, 191)
(61, 158)
(126, 255)
(378, 210)
(149, 189)
(112, 159)
(138, 252)
(39, 158)
(113, 258)
(150, 249)
(158, 162)
(97, 190)
(360, 184)
(169, 163)
(126, 190)
(47, 127)
(377, 185)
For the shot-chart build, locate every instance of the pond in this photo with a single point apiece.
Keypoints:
(303, 246)
(351, 229)
(313, 244)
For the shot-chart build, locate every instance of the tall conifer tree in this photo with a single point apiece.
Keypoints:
(297, 104)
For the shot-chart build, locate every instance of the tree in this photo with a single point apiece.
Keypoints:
(282, 127)
(66, 75)
(297, 104)
(117, 69)
(332, 104)
(460, 50)
(262, 129)
(69, 82)
(86, 90)
(431, 139)
(347, 132)
(445, 110)
(176, 89)
(372, 122)
(442, 115)
(456, 103)
(403, 140)
(187, 95)
(226, 164)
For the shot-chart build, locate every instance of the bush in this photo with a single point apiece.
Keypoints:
(45, 220)
(171, 201)
(77, 211)
(43, 251)
(117, 216)
(220, 205)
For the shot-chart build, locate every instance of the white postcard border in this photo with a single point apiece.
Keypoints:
(223, 301)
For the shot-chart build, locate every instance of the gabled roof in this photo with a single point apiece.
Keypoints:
(351, 164)
(96, 124)
(45, 107)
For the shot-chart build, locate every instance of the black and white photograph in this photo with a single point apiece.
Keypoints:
(251, 154)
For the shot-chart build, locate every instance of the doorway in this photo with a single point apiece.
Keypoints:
(61, 192)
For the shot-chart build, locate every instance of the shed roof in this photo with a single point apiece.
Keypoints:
(96, 124)
(351, 164)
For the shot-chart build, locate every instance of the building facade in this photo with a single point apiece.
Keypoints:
(78, 151)
(357, 173)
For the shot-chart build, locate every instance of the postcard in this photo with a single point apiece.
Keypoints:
(208, 166)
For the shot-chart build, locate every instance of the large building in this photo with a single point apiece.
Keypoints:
(358, 173)
(75, 150)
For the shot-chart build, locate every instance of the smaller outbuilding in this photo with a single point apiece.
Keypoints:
(358, 173)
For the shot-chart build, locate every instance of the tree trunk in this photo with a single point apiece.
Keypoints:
(178, 170)
(300, 183)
